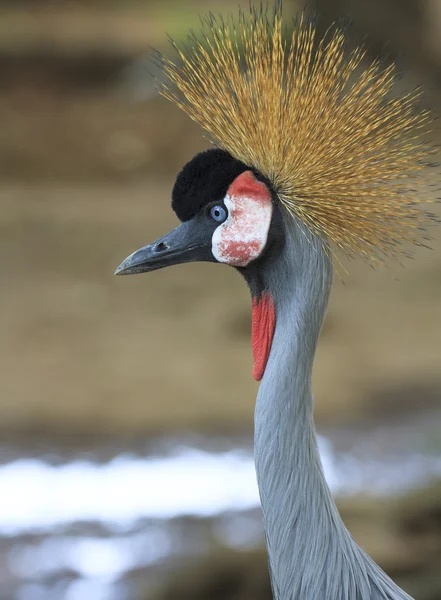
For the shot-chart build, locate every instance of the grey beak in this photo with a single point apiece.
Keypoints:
(189, 242)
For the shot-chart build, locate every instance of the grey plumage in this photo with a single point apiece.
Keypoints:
(312, 556)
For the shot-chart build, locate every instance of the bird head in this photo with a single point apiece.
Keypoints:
(321, 129)
(229, 214)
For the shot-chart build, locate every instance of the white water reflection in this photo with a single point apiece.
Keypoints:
(92, 558)
(97, 564)
(36, 496)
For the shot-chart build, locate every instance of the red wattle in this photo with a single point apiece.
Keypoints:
(262, 331)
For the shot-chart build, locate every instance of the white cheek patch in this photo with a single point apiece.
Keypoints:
(243, 236)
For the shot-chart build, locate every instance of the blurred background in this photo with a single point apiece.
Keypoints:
(126, 404)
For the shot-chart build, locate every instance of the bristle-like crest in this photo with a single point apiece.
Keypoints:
(341, 150)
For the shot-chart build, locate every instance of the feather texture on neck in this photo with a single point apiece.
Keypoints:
(311, 554)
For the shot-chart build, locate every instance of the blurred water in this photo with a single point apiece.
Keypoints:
(76, 529)
(191, 481)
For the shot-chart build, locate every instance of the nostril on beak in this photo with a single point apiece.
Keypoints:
(161, 247)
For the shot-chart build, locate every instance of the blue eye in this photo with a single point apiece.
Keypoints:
(218, 213)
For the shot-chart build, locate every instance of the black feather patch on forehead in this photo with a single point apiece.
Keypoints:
(205, 179)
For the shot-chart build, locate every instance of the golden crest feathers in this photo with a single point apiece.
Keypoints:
(341, 151)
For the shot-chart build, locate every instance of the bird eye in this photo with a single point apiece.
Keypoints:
(218, 213)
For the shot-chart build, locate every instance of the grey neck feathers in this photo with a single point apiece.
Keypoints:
(311, 554)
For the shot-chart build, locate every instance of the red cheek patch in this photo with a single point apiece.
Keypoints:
(243, 236)
(262, 332)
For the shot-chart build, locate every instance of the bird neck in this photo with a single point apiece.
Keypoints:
(311, 554)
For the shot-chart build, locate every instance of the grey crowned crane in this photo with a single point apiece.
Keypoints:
(311, 154)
